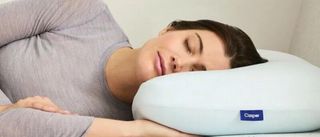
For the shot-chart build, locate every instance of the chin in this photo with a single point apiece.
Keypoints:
(146, 65)
(147, 75)
(145, 72)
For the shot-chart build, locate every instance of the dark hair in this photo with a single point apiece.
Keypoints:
(238, 45)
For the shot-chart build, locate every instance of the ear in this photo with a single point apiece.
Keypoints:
(166, 29)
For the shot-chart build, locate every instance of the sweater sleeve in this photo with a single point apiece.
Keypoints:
(26, 122)
(21, 19)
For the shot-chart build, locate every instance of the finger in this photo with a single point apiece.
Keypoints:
(23, 103)
(44, 107)
(66, 112)
(36, 105)
(48, 101)
(50, 108)
(44, 100)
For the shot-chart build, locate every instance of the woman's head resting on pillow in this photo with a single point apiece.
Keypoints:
(196, 46)
(180, 47)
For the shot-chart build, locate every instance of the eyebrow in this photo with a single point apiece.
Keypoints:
(201, 45)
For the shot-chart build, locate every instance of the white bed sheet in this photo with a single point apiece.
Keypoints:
(303, 134)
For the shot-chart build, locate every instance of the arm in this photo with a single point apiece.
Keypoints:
(29, 122)
(138, 128)
(26, 18)
(36, 102)
(21, 19)
(99, 127)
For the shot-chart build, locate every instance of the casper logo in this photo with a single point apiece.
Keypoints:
(251, 115)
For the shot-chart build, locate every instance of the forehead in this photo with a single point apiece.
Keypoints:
(213, 56)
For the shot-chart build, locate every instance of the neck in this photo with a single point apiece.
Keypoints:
(120, 74)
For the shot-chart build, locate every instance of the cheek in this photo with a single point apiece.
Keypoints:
(144, 64)
(170, 44)
(167, 41)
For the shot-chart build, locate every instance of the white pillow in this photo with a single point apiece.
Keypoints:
(282, 95)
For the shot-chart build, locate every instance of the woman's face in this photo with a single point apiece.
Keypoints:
(180, 51)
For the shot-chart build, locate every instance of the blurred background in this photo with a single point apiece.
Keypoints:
(291, 26)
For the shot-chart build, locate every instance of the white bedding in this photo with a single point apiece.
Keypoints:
(304, 134)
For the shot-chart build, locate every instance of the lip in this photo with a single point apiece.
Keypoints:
(160, 65)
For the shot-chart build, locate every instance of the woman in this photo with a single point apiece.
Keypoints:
(58, 55)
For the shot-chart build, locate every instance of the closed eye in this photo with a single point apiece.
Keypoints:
(187, 46)
(200, 67)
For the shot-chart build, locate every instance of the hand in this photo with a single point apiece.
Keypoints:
(150, 129)
(40, 103)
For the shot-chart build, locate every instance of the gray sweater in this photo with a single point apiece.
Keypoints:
(58, 49)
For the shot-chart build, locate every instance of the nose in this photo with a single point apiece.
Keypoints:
(174, 65)
(181, 64)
